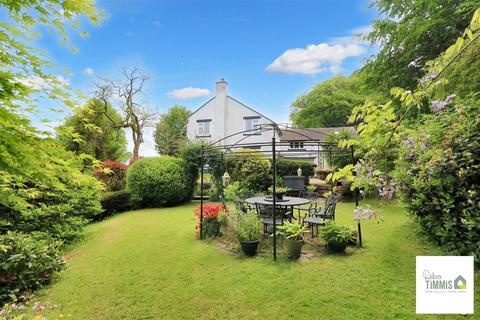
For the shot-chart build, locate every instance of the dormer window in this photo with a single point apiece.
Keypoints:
(252, 124)
(203, 127)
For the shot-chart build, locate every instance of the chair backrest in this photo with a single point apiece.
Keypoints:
(266, 211)
(330, 207)
(240, 206)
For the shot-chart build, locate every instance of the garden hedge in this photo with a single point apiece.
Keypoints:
(160, 181)
(287, 167)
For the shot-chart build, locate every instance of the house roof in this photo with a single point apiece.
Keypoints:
(239, 102)
(317, 134)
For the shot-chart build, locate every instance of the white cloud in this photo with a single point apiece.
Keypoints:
(129, 34)
(156, 23)
(88, 72)
(315, 58)
(187, 93)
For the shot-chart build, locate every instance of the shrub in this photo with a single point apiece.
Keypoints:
(211, 218)
(438, 177)
(247, 226)
(114, 179)
(115, 201)
(336, 237)
(59, 209)
(160, 181)
(252, 170)
(287, 167)
(26, 264)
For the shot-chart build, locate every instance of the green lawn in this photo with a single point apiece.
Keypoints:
(147, 265)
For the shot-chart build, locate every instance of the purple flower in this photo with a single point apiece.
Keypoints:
(438, 106)
(409, 143)
(450, 98)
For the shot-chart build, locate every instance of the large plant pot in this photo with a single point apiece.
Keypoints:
(211, 228)
(337, 246)
(249, 248)
(294, 248)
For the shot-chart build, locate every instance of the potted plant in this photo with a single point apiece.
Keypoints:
(211, 213)
(247, 228)
(336, 237)
(279, 192)
(293, 234)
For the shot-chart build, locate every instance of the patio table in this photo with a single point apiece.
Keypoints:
(286, 202)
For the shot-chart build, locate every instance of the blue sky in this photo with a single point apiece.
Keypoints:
(270, 51)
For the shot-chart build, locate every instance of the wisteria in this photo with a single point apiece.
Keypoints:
(367, 213)
(439, 105)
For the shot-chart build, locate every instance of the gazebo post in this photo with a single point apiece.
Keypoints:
(201, 191)
(222, 170)
(330, 160)
(359, 228)
(274, 169)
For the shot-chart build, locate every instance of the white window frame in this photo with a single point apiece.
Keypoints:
(204, 128)
(252, 124)
(297, 145)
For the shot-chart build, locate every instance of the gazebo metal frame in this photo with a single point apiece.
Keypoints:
(206, 152)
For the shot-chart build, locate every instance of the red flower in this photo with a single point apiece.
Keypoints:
(210, 211)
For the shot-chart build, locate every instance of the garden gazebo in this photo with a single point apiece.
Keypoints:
(273, 149)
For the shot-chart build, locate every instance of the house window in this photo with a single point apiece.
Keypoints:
(251, 124)
(296, 145)
(203, 127)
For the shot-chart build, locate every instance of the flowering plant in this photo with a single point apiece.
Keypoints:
(211, 223)
(210, 211)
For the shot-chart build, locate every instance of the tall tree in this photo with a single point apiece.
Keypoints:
(411, 33)
(24, 76)
(330, 103)
(126, 94)
(89, 130)
(171, 131)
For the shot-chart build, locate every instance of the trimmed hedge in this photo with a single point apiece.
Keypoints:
(114, 202)
(289, 167)
(26, 264)
(158, 182)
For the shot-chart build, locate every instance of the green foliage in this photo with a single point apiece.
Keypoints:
(340, 158)
(26, 264)
(252, 170)
(438, 172)
(91, 130)
(171, 131)
(212, 158)
(411, 33)
(287, 167)
(329, 103)
(234, 191)
(114, 202)
(159, 181)
(59, 206)
(247, 226)
(292, 230)
(462, 77)
(336, 237)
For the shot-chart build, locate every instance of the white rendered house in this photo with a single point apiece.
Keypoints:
(222, 117)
